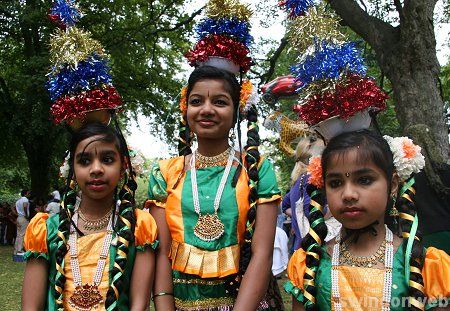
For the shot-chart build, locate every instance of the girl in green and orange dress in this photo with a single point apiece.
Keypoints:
(215, 208)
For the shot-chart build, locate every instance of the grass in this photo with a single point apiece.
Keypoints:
(11, 276)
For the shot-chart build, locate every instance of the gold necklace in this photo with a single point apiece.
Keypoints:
(221, 159)
(362, 261)
(95, 225)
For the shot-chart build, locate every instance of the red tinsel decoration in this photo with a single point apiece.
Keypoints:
(55, 19)
(71, 107)
(353, 95)
(222, 46)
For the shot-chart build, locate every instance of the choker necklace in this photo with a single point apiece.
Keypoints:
(217, 160)
(87, 296)
(362, 261)
(209, 227)
(388, 264)
(94, 225)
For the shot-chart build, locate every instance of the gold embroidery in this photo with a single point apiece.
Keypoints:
(206, 264)
(209, 303)
(198, 281)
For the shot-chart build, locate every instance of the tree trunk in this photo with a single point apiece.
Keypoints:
(38, 151)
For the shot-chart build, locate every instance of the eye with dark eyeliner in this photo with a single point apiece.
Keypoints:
(83, 160)
(194, 101)
(221, 102)
(334, 183)
(365, 180)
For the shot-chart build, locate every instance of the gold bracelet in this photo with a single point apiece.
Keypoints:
(161, 294)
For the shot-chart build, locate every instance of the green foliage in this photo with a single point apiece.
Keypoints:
(145, 40)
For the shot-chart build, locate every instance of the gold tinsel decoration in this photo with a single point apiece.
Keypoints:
(228, 8)
(317, 24)
(72, 46)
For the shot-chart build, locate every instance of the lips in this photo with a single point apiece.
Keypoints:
(353, 212)
(206, 123)
(96, 185)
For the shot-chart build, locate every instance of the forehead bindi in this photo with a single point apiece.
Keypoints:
(211, 87)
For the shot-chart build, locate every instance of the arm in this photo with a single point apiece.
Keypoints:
(254, 283)
(142, 280)
(163, 272)
(34, 289)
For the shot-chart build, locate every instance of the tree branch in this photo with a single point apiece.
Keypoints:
(264, 78)
(399, 8)
(179, 24)
(373, 30)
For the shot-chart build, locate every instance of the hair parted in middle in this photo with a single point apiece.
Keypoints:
(125, 224)
(374, 148)
(251, 152)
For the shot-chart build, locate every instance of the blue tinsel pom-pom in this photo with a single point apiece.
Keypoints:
(89, 74)
(329, 61)
(297, 7)
(231, 27)
(66, 11)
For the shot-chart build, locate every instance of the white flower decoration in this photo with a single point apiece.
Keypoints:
(407, 156)
(64, 168)
(137, 161)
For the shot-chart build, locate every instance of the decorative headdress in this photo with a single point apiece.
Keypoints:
(223, 40)
(79, 82)
(335, 94)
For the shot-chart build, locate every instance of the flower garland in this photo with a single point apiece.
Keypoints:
(408, 158)
(315, 172)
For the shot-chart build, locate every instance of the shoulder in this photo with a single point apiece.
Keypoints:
(145, 231)
(35, 240)
(436, 273)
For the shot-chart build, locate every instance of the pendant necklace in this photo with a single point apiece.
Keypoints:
(209, 227)
(388, 264)
(87, 296)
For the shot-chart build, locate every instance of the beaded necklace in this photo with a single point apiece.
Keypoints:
(87, 296)
(209, 227)
(388, 264)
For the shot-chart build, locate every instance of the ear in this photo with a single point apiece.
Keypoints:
(394, 184)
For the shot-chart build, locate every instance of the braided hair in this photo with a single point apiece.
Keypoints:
(373, 147)
(252, 156)
(405, 204)
(124, 226)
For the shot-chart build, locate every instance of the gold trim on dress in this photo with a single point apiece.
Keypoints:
(199, 281)
(204, 304)
(206, 264)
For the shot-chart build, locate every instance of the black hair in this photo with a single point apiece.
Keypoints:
(371, 147)
(205, 73)
(24, 192)
(252, 156)
(125, 220)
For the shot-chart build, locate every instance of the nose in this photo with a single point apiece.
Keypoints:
(349, 193)
(207, 108)
(96, 168)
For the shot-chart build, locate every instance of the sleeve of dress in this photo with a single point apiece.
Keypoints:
(145, 231)
(35, 240)
(286, 203)
(268, 190)
(436, 277)
(296, 270)
(157, 187)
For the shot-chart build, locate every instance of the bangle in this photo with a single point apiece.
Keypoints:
(161, 294)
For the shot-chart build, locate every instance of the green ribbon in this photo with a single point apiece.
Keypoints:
(409, 246)
(407, 185)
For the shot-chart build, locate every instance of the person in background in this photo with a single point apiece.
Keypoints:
(3, 222)
(11, 227)
(23, 213)
(55, 194)
(53, 207)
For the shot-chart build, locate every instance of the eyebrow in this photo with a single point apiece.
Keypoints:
(103, 153)
(358, 172)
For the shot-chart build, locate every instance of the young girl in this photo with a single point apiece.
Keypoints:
(367, 266)
(215, 209)
(96, 253)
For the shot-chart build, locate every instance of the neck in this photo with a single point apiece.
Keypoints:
(95, 208)
(212, 147)
(367, 242)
